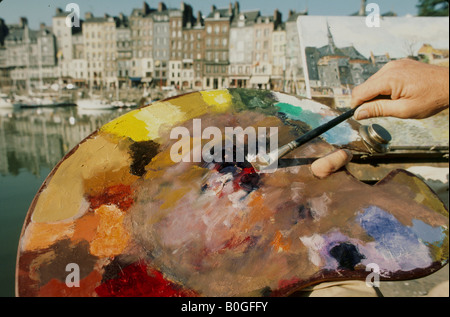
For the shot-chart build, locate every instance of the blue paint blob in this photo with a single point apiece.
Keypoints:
(397, 242)
(428, 233)
(340, 134)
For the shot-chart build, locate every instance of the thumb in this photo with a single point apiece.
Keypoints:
(327, 165)
(376, 108)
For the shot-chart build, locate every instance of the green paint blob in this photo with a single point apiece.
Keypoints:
(297, 113)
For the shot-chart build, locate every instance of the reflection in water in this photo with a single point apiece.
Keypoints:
(39, 138)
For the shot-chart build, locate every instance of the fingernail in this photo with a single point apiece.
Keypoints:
(349, 154)
(361, 114)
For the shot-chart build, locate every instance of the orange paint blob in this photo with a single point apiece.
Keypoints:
(42, 235)
(279, 243)
(111, 237)
(56, 288)
(86, 227)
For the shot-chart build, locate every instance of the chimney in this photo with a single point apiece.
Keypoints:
(199, 18)
(213, 8)
(237, 10)
(161, 7)
(276, 17)
(182, 6)
(42, 26)
(145, 8)
(230, 9)
(59, 11)
(290, 14)
(23, 22)
(362, 9)
(88, 15)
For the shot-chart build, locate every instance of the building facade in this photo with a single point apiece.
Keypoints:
(29, 56)
(294, 77)
(217, 34)
(278, 57)
(241, 47)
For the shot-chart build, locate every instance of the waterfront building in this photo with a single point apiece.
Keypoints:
(278, 57)
(262, 54)
(294, 78)
(193, 53)
(29, 55)
(242, 47)
(217, 27)
(99, 36)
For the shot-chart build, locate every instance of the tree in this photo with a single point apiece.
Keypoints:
(433, 7)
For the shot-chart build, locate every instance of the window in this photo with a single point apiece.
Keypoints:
(209, 29)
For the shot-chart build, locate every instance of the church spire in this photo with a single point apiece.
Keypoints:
(331, 44)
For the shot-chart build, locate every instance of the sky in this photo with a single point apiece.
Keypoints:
(37, 11)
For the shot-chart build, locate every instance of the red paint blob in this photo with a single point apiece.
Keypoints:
(137, 280)
(120, 195)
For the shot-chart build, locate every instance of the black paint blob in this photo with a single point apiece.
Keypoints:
(141, 154)
(347, 255)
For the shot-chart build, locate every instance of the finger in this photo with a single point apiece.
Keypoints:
(327, 165)
(381, 108)
(371, 88)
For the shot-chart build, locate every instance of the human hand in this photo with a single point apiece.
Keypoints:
(327, 165)
(417, 90)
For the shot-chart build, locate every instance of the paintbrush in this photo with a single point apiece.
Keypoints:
(374, 136)
(264, 160)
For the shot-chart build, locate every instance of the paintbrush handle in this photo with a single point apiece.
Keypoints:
(322, 129)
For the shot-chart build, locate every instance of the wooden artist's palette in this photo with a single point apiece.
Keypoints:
(119, 214)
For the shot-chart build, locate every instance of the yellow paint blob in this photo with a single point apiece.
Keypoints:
(145, 124)
(42, 235)
(63, 198)
(111, 237)
(128, 125)
(150, 122)
(220, 99)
